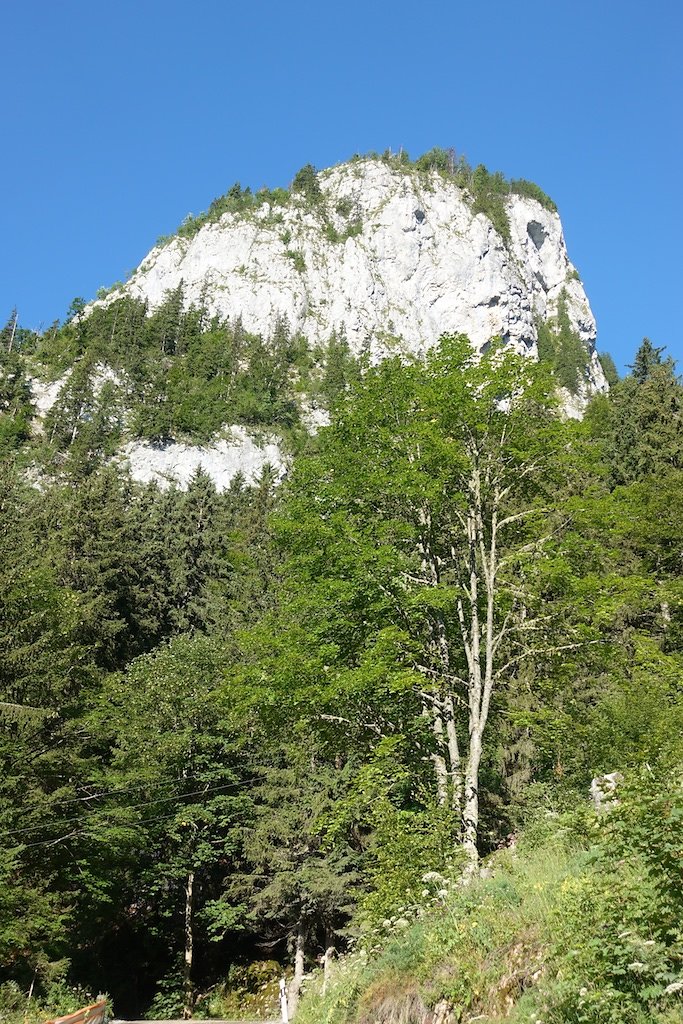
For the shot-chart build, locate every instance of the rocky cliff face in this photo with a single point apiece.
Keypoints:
(391, 256)
(397, 259)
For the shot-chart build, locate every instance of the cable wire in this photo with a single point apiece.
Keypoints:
(132, 807)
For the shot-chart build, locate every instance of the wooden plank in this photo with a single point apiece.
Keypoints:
(93, 1014)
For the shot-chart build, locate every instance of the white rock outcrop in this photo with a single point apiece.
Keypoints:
(420, 265)
(392, 257)
(175, 463)
(44, 394)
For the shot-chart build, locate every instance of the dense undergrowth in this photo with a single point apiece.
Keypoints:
(580, 921)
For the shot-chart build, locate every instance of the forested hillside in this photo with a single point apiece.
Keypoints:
(356, 711)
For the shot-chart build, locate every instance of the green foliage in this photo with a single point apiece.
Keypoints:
(561, 347)
(648, 359)
(236, 201)
(232, 686)
(609, 368)
(341, 371)
(456, 168)
(490, 191)
(172, 742)
(476, 948)
(362, 612)
(297, 259)
(85, 423)
(306, 184)
(522, 187)
(436, 159)
(644, 436)
(16, 406)
(583, 926)
(251, 992)
(167, 1003)
(175, 374)
(413, 853)
(352, 230)
(51, 997)
(93, 576)
(288, 879)
(618, 944)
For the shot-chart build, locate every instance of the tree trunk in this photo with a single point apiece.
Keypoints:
(14, 331)
(327, 961)
(188, 999)
(453, 755)
(470, 817)
(299, 958)
(440, 768)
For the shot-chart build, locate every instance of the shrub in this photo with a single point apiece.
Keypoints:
(490, 192)
(297, 259)
(307, 184)
(618, 940)
(522, 187)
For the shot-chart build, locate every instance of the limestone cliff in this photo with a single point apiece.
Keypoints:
(394, 257)
(391, 255)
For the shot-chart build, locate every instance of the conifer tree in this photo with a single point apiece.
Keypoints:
(198, 547)
(646, 424)
(173, 746)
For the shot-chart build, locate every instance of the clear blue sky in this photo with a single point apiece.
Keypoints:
(120, 118)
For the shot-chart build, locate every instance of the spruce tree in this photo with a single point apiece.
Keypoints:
(645, 433)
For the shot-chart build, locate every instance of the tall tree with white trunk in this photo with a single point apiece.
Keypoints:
(415, 530)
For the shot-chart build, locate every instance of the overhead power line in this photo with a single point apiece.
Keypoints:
(82, 832)
(131, 807)
(124, 789)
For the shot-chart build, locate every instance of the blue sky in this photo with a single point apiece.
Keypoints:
(119, 119)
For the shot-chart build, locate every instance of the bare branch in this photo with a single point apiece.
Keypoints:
(501, 634)
(519, 515)
(347, 721)
(433, 673)
(543, 652)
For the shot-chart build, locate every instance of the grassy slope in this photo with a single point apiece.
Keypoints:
(582, 923)
(477, 952)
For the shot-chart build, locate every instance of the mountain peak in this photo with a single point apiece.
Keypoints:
(390, 253)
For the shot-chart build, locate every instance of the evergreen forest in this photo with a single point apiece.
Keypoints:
(405, 726)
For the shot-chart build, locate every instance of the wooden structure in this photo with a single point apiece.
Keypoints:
(94, 1014)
